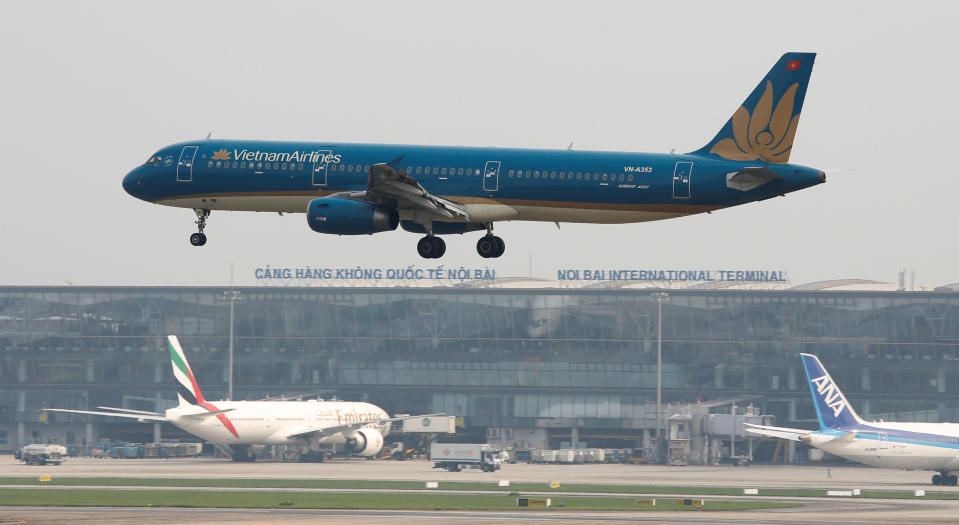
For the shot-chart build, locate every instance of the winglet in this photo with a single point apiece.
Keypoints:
(187, 390)
(832, 407)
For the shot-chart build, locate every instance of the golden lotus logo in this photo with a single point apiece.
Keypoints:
(766, 134)
(221, 154)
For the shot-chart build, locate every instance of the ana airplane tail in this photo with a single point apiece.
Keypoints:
(765, 125)
(832, 407)
(187, 390)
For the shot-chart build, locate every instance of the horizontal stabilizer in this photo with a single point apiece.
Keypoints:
(848, 437)
(131, 411)
(750, 178)
(791, 434)
(140, 417)
(202, 415)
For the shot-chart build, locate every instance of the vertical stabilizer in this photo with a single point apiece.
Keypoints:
(187, 389)
(765, 125)
(832, 407)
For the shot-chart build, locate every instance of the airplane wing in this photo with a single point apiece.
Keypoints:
(792, 434)
(388, 182)
(322, 432)
(141, 417)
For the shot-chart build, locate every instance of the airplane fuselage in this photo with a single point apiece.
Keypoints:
(272, 422)
(928, 446)
(493, 184)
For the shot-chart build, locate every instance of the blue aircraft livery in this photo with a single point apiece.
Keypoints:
(928, 446)
(359, 189)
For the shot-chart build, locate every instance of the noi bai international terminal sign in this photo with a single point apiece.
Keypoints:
(442, 274)
(673, 275)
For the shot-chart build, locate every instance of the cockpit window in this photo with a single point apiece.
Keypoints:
(155, 160)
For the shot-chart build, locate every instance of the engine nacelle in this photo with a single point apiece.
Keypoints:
(365, 442)
(349, 217)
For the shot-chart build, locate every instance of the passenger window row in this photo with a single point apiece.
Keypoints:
(434, 170)
(562, 175)
(255, 165)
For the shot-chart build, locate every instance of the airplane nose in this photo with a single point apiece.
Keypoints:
(128, 182)
(132, 182)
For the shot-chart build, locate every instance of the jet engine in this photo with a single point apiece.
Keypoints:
(365, 442)
(349, 217)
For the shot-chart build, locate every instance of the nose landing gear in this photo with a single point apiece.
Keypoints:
(199, 238)
(431, 247)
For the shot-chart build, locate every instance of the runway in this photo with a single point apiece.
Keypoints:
(755, 476)
(818, 510)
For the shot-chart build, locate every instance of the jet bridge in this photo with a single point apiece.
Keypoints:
(698, 437)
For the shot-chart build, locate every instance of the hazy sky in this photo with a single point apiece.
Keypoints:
(89, 90)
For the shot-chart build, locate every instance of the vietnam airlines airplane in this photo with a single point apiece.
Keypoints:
(926, 446)
(358, 428)
(359, 189)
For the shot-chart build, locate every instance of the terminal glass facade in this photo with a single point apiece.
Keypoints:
(506, 359)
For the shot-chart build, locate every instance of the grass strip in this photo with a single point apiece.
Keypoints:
(281, 500)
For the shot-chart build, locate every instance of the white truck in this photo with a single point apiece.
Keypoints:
(454, 457)
(39, 454)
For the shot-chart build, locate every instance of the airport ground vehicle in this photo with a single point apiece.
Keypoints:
(42, 454)
(454, 457)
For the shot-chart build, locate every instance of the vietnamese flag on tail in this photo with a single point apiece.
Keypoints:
(793, 65)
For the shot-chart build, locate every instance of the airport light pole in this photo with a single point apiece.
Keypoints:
(659, 297)
(232, 296)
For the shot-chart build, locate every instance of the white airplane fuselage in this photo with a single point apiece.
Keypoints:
(273, 422)
(926, 446)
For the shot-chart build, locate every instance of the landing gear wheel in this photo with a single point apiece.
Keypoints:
(953, 480)
(198, 239)
(490, 246)
(500, 246)
(431, 247)
(937, 480)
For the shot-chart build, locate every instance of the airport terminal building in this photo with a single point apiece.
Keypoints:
(523, 361)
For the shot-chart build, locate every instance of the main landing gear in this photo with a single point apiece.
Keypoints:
(490, 246)
(199, 238)
(431, 247)
(945, 479)
(242, 454)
